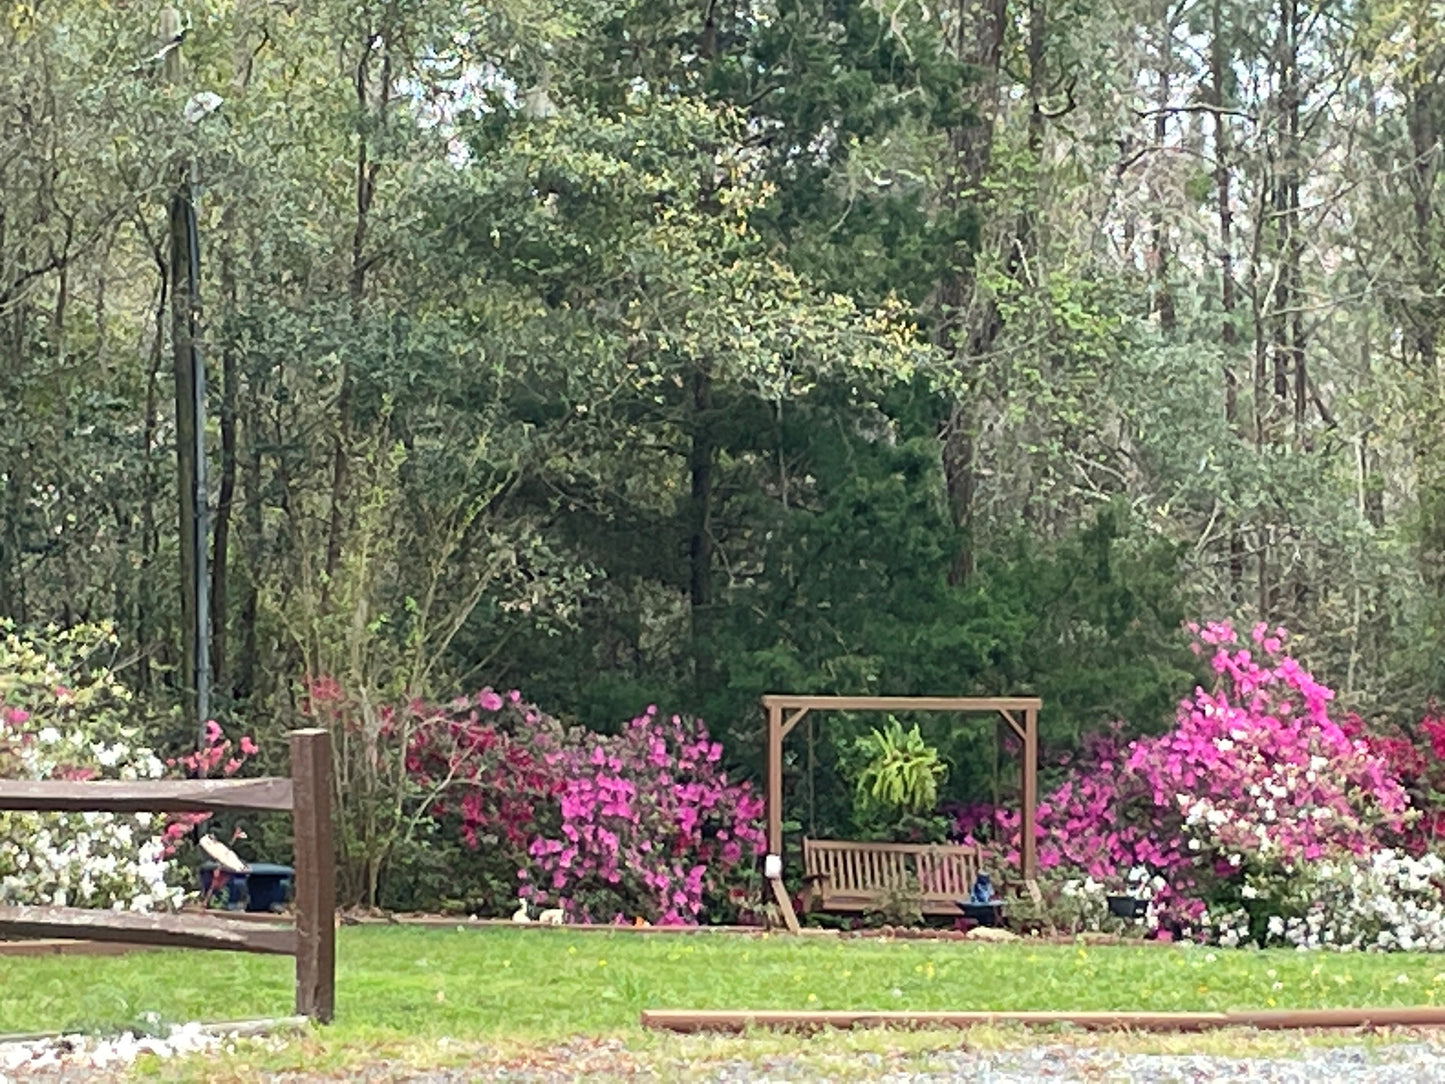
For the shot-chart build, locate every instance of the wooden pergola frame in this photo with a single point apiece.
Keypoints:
(1021, 713)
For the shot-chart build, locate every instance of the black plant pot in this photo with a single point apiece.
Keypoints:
(1128, 907)
(985, 914)
(264, 888)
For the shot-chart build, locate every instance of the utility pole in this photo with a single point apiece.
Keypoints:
(190, 376)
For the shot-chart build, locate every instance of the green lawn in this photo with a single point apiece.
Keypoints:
(537, 985)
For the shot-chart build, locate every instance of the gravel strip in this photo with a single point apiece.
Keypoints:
(65, 1057)
(1337, 1065)
(81, 1057)
(1397, 1064)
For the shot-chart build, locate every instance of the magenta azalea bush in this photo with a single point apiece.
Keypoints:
(1254, 783)
(645, 824)
(649, 825)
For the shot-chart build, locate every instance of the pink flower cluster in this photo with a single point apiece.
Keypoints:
(215, 759)
(492, 761)
(1254, 775)
(1416, 756)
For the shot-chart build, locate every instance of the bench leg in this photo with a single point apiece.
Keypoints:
(808, 896)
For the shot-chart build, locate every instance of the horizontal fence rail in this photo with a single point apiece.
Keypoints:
(157, 796)
(306, 796)
(163, 930)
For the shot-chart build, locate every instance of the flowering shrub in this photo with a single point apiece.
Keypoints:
(1388, 900)
(63, 716)
(495, 770)
(643, 824)
(650, 824)
(1416, 756)
(1254, 782)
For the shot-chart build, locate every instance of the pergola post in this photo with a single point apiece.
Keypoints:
(775, 779)
(1028, 849)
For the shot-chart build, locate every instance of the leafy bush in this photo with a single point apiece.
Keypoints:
(497, 767)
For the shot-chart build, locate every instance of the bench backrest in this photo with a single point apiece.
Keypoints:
(849, 868)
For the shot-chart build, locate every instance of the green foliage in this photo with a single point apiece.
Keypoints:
(644, 350)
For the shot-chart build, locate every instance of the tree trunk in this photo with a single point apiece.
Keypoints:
(221, 540)
(1423, 317)
(700, 540)
(365, 180)
(1163, 299)
(145, 633)
(1228, 332)
(979, 43)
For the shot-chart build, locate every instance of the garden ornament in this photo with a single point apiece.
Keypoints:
(982, 890)
(223, 856)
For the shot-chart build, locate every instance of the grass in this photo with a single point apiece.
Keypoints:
(401, 990)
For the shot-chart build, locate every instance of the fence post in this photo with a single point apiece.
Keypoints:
(315, 875)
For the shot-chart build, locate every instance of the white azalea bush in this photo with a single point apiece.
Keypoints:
(63, 715)
(1381, 902)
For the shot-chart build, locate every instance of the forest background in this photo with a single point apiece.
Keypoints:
(637, 351)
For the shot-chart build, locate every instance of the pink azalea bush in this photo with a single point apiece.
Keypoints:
(1254, 782)
(643, 824)
(650, 824)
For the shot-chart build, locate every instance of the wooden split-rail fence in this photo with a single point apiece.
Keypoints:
(306, 795)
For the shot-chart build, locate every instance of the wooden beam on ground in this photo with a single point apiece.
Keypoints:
(145, 796)
(693, 1020)
(162, 931)
(726, 1020)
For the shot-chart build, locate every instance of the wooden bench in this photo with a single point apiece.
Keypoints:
(850, 876)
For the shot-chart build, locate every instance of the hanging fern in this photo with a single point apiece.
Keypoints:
(902, 772)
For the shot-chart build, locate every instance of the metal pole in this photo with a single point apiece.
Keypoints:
(190, 377)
